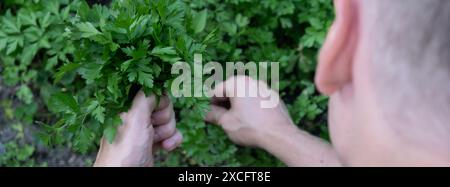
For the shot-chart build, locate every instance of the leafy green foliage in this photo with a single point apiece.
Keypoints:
(131, 45)
(31, 45)
(17, 155)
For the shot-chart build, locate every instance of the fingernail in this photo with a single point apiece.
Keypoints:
(169, 144)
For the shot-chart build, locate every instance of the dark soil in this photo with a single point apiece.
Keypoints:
(53, 157)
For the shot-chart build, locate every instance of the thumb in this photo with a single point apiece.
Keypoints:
(216, 114)
(142, 107)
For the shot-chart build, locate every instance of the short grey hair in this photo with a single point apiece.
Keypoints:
(410, 53)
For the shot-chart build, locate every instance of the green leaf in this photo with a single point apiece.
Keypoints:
(242, 21)
(167, 54)
(96, 110)
(33, 34)
(12, 47)
(45, 21)
(315, 22)
(111, 128)
(91, 72)
(210, 36)
(3, 42)
(230, 28)
(10, 26)
(199, 21)
(113, 86)
(28, 54)
(61, 102)
(65, 13)
(145, 79)
(27, 17)
(110, 133)
(159, 51)
(87, 30)
(99, 114)
(65, 69)
(132, 76)
(140, 27)
(24, 94)
(125, 65)
(83, 139)
(52, 62)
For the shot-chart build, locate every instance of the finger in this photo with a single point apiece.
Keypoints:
(164, 102)
(215, 114)
(172, 142)
(142, 105)
(220, 90)
(163, 116)
(165, 131)
(139, 115)
(230, 87)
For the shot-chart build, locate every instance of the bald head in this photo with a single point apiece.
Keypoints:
(386, 66)
(409, 53)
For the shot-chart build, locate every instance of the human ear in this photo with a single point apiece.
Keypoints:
(336, 56)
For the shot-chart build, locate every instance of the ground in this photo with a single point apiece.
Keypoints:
(20, 141)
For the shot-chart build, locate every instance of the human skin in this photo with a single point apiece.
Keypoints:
(247, 124)
(147, 126)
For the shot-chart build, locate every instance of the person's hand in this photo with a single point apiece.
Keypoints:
(244, 120)
(145, 128)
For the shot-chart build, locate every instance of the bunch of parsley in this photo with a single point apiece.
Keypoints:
(123, 48)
